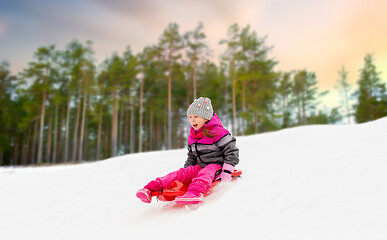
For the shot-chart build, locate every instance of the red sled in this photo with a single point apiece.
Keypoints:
(177, 188)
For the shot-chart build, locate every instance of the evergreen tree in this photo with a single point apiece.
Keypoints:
(87, 76)
(7, 88)
(116, 77)
(42, 72)
(211, 84)
(72, 111)
(306, 94)
(100, 114)
(323, 118)
(171, 43)
(253, 79)
(257, 82)
(76, 61)
(196, 47)
(231, 56)
(371, 95)
(344, 88)
(285, 94)
(179, 105)
(30, 119)
(154, 67)
(248, 49)
(128, 87)
(262, 92)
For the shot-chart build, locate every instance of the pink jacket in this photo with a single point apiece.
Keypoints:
(203, 150)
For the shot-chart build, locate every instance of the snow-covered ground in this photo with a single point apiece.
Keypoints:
(304, 183)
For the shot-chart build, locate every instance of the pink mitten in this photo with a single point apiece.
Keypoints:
(225, 176)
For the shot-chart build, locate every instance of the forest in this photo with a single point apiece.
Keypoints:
(64, 108)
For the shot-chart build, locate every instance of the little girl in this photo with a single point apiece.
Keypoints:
(211, 148)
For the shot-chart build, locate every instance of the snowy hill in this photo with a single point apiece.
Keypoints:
(313, 182)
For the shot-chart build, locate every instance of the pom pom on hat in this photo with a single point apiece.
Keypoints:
(201, 107)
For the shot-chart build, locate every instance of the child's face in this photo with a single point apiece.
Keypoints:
(196, 121)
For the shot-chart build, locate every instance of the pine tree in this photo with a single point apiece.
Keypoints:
(306, 94)
(128, 86)
(88, 72)
(7, 86)
(171, 43)
(153, 68)
(323, 118)
(231, 56)
(344, 88)
(116, 77)
(371, 95)
(42, 72)
(285, 94)
(102, 97)
(196, 47)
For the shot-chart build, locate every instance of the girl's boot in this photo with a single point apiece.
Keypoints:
(144, 195)
(191, 197)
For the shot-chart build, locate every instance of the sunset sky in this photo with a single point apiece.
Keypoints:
(319, 36)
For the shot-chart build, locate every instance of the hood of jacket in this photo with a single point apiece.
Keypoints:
(216, 128)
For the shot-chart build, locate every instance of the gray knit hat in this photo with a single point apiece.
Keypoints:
(201, 107)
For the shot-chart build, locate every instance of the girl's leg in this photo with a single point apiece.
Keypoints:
(203, 181)
(184, 175)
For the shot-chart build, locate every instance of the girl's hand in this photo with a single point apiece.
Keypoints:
(225, 176)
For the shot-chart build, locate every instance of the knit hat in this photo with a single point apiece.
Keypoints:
(201, 107)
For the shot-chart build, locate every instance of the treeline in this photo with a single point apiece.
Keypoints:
(64, 108)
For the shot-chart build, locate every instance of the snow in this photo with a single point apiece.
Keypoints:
(311, 182)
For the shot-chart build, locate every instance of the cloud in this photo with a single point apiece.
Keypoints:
(147, 19)
(155, 14)
(320, 36)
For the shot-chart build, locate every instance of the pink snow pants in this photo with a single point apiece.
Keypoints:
(199, 179)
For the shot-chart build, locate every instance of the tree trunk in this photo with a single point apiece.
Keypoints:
(132, 129)
(61, 123)
(194, 77)
(244, 83)
(303, 112)
(67, 135)
(299, 114)
(256, 122)
(347, 106)
(99, 129)
(33, 149)
(169, 129)
(140, 113)
(48, 156)
(227, 96)
(106, 146)
(114, 123)
(43, 111)
(85, 95)
(121, 121)
(151, 134)
(158, 135)
(26, 148)
(77, 116)
(233, 98)
(86, 141)
(54, 150)
(15, 157)
(127, 120)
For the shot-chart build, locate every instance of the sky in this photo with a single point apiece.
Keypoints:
(319, 36)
